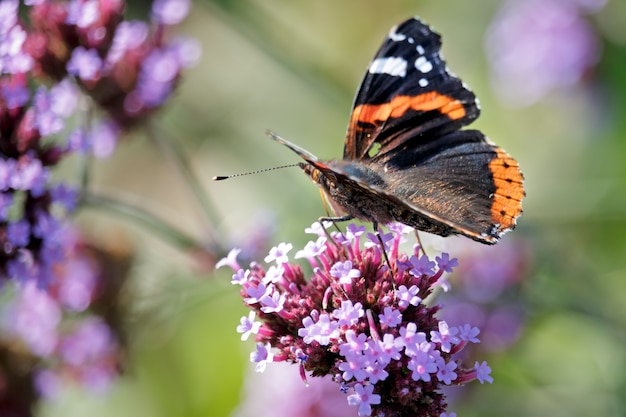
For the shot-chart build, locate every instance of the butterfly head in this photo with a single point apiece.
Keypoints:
(323, 178)
(349, 188)
(331, 187)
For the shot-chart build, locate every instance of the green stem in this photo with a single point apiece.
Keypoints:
(142, 217)
(182, 163)
(84, 173)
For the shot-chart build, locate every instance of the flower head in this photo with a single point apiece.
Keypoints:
(360, 322)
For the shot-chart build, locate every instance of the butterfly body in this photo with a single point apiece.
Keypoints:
(406, 157)
(358, 200)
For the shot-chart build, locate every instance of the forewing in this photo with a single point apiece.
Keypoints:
(407, 94)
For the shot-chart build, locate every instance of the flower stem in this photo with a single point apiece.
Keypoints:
(177, 238)
(182, 163)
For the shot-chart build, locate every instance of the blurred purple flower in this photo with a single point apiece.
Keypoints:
(6, 200)
(7, 168)
(85, 64)
(98, 377)
(12, 37)
(18, 233)
(84, 348)
(100, 141)
(77, 284)
(186, 50)
(47, 120)
(536, 46)
(104, 138)
(77, 141)
(290, 397)
(170, 12)
(46, 275)
(8, 14)
(90, 341)
(128, 35)
(33, 316)
(87, 354)
(64, 98)
(83, 13)
(155, 81)
(65, 195)
(21, 267)
(14, 92)
(48, 383)
(29, 175)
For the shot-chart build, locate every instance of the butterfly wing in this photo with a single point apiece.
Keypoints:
(407, 95)
(471, 184)
(405, 127)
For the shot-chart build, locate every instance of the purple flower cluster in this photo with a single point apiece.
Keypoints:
(54, 324)
(128, 69)
(536, 46)
(137, 71)
(355, 319)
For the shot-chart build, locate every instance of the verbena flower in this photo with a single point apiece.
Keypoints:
(51, 54)
(367, 326)
(128, 68)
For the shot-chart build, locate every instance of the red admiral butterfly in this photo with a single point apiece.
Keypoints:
(405, 158)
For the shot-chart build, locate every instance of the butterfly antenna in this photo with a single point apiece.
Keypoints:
(225, 177)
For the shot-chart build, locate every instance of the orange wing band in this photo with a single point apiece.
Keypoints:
(371, 113)
(509, 182)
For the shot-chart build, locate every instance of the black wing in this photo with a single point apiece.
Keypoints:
(407, 95)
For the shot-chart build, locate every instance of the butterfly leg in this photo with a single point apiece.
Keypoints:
(334, 221)
(419, 242)
(382, 244)
(346, 218)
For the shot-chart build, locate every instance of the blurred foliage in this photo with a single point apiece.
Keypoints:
(293, 66)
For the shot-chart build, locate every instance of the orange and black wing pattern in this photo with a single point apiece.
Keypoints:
(407, 94)
(406, 127)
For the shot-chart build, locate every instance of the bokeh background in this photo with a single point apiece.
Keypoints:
(551, 81)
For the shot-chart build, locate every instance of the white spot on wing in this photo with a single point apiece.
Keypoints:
(423, 82)
(423, 64)
(395, 36)
(420, 49)
(391, 66)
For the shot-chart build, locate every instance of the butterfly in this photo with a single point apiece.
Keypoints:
(406, 158)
